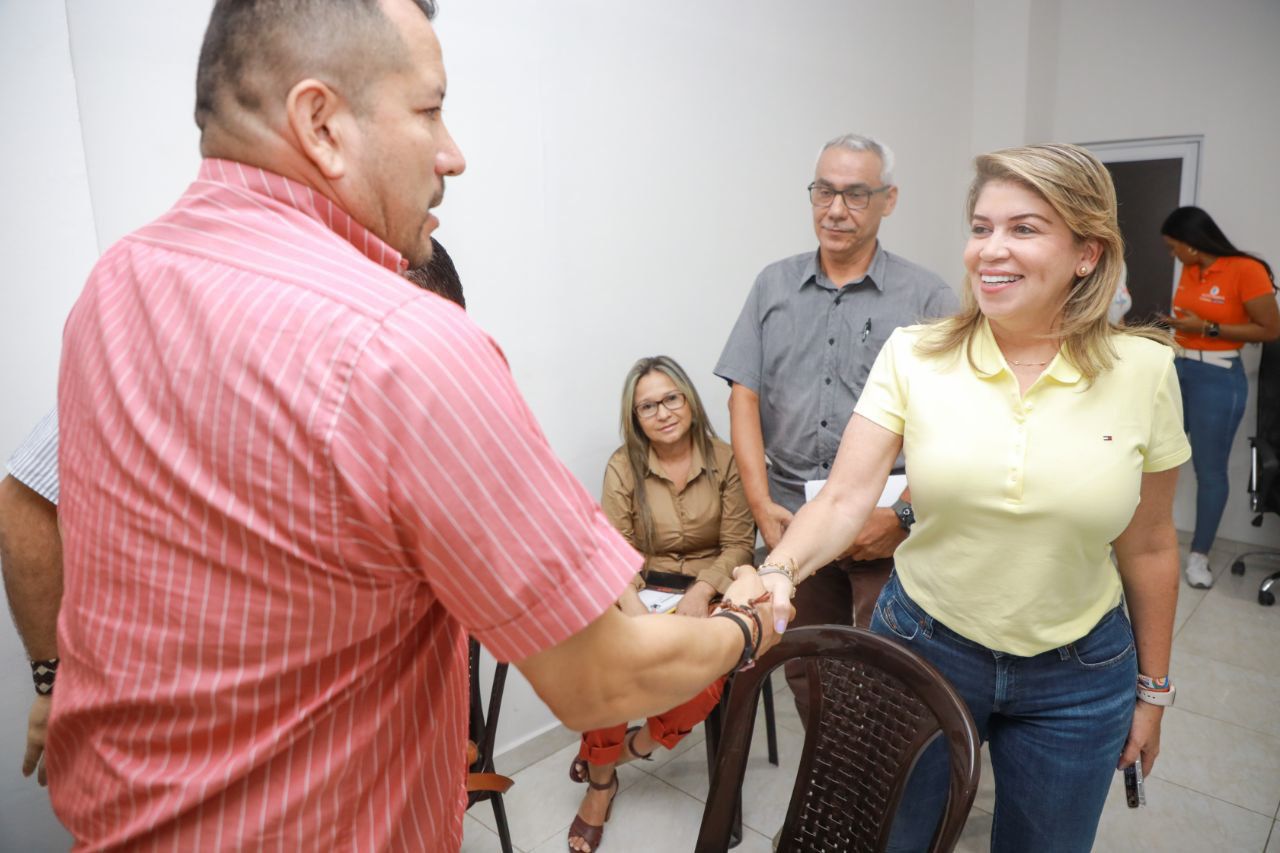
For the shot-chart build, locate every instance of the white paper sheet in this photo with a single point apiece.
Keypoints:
(660, 601)
(893, 489)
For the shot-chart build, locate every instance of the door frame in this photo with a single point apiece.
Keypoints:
(1188, 149)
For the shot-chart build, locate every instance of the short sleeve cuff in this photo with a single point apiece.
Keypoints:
(735, 376)
(35, 462)
(1167, 461)
(880, 417)
(558, 611)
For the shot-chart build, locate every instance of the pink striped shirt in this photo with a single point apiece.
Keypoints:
(291, 483)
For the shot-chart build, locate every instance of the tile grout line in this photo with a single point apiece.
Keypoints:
(1212, 797)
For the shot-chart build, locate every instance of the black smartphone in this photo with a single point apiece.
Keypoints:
(1134, 792)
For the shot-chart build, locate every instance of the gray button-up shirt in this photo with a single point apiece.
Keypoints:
(805, 346)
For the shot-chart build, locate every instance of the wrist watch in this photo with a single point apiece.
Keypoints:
(1164, 698)
(1212, 330)
(906, 516)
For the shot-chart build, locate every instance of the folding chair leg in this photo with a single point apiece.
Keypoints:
(500, 818)
(770, 728)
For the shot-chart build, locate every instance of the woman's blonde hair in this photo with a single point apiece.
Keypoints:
(1078, 187)
(637, 443)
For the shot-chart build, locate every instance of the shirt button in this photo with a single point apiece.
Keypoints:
(824, 423)
(831, 340)
(826, 465)
(828, 380)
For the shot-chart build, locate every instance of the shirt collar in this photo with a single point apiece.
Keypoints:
(304, 199)
(696, 465)
(875, 271)
(990, 361)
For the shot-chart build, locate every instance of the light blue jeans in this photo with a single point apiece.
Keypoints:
(1054, 724)
(1213, 400)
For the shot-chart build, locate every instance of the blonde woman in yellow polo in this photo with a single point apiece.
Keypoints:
(1039, 438)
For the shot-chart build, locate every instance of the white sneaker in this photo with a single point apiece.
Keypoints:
(1198, 573)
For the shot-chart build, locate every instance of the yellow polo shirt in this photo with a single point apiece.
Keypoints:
(1018, 498)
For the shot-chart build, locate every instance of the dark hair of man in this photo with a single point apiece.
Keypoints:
(439, 275)
(1196, 228)
(254, 51)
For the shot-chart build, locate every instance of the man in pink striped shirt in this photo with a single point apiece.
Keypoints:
(292, 482)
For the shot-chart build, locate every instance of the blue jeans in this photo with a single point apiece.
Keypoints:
(1054, 724)
(1213, 401)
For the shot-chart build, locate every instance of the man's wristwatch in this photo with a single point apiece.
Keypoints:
(906, 516)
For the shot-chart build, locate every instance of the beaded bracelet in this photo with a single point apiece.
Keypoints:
(42, 673)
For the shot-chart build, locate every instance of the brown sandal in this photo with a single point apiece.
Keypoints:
(578, 769)
(590, 832)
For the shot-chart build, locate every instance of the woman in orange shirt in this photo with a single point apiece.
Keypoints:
(1225, 299)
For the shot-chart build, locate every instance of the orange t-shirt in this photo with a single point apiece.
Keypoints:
(1218, 295)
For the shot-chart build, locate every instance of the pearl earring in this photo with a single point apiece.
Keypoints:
(1084, 271)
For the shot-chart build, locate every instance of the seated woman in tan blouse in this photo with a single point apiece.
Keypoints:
(673, 491)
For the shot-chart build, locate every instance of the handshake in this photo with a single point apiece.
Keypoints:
(761, 607)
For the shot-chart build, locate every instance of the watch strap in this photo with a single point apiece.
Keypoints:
(1163, 698)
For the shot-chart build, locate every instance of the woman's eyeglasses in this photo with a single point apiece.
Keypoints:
(673, 402)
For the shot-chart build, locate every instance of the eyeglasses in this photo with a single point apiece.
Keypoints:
(673, 402)
(855, 198)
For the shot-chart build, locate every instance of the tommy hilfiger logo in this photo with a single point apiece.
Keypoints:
(1106, 438)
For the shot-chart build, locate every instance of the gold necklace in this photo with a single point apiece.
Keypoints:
(1029, 363)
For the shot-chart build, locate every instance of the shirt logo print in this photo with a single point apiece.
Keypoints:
(1106, 438)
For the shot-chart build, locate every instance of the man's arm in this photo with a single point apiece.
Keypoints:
(621, 668)
(31, 560)
(747, 437)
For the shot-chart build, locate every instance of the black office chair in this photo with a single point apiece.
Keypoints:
(1264, 473)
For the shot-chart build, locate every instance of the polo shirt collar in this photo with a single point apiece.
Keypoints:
(696, 465)
(991, 363)
(875, 271)
(302, 198)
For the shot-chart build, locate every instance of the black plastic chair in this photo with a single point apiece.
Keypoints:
(1264, 473)
(874, 708)
(483, 730)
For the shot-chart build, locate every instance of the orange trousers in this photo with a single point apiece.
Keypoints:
(604, 746)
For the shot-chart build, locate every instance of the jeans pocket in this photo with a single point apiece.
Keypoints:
(1110, 643)
(898, 619)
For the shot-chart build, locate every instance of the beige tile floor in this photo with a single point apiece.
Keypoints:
(1215, 788)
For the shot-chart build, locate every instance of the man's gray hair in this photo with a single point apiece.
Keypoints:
(858, 142)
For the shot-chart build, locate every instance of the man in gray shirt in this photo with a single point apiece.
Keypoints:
(797, 359)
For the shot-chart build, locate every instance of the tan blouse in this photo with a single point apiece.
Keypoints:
(703, 530)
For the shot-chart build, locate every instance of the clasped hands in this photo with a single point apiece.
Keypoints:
(771, 599)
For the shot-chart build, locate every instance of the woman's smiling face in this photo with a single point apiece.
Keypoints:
(1021, 258)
